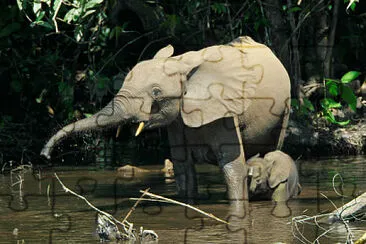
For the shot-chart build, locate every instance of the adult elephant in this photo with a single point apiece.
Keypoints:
(216, 103)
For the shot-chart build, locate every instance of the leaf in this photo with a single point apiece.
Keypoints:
(351, 4)
(55, 5)
(88, 115)
(42, 23)
(78, 34)
(350, 76)
(9, 29)
(330, 117)
(332, 87)
(328, 103)
(36, 7)
(20, 4)
(92, 4)
(349, 97)
(72, 15)
(88, 13)
(48, 2)
(40, 15)
(295, 103)
(308, 104)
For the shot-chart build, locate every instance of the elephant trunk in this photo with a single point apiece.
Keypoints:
(112, 114)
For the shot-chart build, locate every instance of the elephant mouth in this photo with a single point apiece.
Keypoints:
(155, 107)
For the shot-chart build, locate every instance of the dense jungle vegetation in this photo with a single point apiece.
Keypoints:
(62, 60)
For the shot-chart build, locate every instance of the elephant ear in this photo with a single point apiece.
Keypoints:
(223, 83)
(165, 52)
(279, 172)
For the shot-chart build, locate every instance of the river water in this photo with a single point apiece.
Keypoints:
(39, 211)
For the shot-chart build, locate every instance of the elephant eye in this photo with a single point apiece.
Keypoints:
(156, 92)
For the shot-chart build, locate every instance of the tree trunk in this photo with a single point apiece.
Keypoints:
(278, 31)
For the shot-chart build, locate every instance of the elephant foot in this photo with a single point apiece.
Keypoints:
(281, 210)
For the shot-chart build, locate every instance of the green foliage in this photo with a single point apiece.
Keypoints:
(302, 109)
(351, 4)
(350, 76)
(46, 43)
(337, 95)
(219, 8)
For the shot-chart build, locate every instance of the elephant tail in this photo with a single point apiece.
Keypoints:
(285, 120)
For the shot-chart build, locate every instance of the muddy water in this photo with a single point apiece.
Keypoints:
(41, 212)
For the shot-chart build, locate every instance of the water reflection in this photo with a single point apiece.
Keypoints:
(40, 211)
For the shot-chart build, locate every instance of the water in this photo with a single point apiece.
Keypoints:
(41, 212)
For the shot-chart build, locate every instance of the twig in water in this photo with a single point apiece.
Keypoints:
(107, 223)
(125, 224)
(135, 205)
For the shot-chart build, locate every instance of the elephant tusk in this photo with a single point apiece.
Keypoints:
(250, 173)
(139, 129)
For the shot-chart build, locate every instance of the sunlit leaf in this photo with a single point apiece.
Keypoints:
(88, 115)
(55, 5)
(20, 4)
(36, 7)
(330, 117)
(88, 13)
(48, 2)
(343, 122)
(350, 76)
(78, 34)
(351, 4)
(349, 97)
(329, 103)
(92, 3)
(72, 15)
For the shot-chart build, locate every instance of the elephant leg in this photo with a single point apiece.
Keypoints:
(229, 151)
(235, 177)
(186, 181)
(184, 169)
(281, 193)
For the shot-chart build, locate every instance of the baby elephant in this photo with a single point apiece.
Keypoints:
(273, 177)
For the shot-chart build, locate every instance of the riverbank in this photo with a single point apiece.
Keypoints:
(318, 138)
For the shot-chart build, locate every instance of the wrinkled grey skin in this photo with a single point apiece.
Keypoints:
(218, 104)
(274, 176)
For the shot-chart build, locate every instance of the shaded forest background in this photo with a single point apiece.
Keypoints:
(62, 60)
